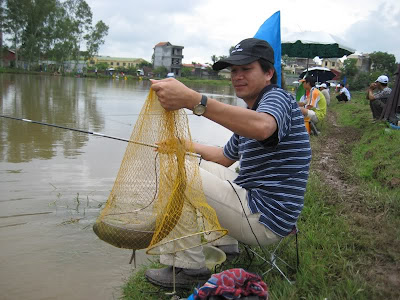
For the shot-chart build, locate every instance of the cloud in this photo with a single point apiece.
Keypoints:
(379, 31)
(136, 27)
(205, 27)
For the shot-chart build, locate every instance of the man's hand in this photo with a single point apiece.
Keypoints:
(169, 146)
(372, 86)
(174, 95)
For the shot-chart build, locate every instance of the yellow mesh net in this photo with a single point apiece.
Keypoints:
(157, 201)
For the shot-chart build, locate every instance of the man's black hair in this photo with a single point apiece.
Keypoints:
(266, 66)
(311, 80)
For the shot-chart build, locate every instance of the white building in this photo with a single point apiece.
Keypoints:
(169, 56)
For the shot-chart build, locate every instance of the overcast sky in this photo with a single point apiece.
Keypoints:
(207, 27)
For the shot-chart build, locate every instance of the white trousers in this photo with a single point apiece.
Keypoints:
(311, 114)
(230, 212)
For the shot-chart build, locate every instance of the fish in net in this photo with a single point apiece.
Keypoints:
(157, 201)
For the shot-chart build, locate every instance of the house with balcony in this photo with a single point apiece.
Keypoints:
(332, 63)
(363, 61)
(296, 65)
(169, 56)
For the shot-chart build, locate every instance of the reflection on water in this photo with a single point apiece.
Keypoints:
(55, 100)
(53, 182)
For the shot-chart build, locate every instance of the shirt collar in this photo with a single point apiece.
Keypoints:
(261, 94)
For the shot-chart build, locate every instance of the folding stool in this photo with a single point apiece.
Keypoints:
(310, 126)
(314, 129)
(272, 258)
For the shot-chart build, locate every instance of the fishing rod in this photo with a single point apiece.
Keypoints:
(86, 131)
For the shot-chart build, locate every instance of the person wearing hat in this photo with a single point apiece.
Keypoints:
(325, 91)
(262, 203)
(378, 93)
(313, 103)
(344, 94)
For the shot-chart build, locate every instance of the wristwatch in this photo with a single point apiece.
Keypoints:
(200, 108)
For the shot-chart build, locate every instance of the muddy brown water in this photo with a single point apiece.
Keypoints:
(54, 182)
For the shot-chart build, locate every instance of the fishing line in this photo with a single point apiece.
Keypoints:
(158, 114)
(119, 122)
(88, 132)
(248, 221)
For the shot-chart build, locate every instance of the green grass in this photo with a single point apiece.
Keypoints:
(341, 239)
(375, 157)
(194, 80)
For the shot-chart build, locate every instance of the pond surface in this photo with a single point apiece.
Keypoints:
(54, 182)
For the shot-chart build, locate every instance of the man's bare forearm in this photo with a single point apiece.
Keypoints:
(212, 153)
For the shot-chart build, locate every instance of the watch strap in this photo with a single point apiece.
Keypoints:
(204, 100)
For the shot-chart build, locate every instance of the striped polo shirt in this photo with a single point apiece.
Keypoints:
(275, 171)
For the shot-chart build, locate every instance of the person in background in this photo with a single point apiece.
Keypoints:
(325, 91)
(344, 94)
(313, 103)
(263, 202)
(377, 94)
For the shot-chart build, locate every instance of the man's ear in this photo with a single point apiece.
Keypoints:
(269, 74)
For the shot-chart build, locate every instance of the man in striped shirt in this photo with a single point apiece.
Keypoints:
(262, 203)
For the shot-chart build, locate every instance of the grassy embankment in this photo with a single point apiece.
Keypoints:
(191, 81)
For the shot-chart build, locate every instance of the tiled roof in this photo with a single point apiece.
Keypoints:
(160, 44)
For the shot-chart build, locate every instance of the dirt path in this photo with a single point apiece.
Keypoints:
(378, 240)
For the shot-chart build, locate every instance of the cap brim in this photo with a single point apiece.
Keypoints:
(302, 80)
(235, 60)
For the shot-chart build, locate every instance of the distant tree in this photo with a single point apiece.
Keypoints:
(384, 62)
(2, 15)
(131, 70)
(161, 71)
(2, 8)
(48, 36)
(95, 38)
(360, 81)
(38, 16)
(102, 66)
(215, 58)
(186, 72)
(80, 16)
(15, 22)
(144, 64)
(1, 30)
(55, 29)
(63, 42)
(349, 67)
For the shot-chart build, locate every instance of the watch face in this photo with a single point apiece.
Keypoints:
(199, 109)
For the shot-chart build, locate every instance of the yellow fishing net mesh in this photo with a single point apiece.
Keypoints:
(157, 201)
